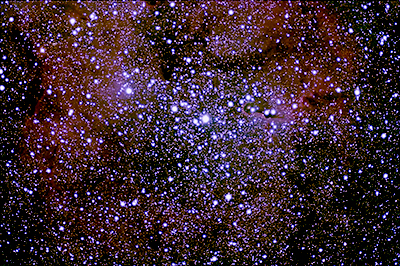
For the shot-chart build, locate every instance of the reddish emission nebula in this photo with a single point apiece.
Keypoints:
(199, 133)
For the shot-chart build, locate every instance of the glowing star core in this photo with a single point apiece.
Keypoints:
(205, 118)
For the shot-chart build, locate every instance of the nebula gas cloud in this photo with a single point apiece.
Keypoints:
(199, 133)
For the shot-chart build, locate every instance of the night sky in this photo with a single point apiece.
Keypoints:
(199, 133)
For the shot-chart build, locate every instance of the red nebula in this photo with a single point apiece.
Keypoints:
(84, 141)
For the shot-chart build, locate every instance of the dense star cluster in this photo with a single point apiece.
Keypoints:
(199, 133)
